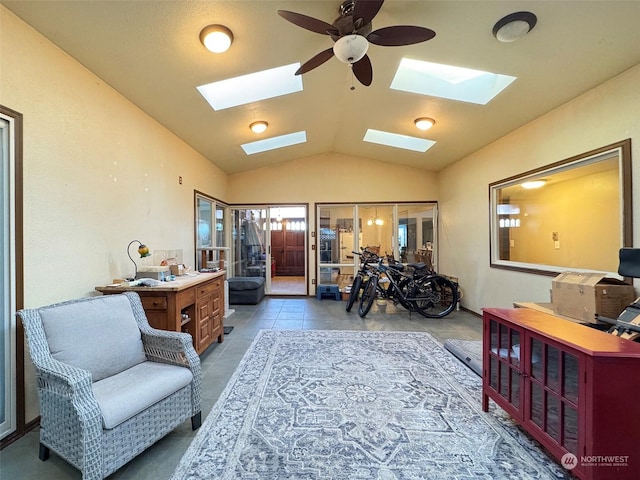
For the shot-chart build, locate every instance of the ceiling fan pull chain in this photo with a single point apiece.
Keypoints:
(353, 87)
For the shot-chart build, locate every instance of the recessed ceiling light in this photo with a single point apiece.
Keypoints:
(447, 81)
(259, 126)
(252, 87)
(274, 142)
(398, 141)
(216, 38)
(424, 123)
(514, 26)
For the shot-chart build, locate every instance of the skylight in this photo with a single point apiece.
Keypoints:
(446, 81)
(398, 141)
(275, 142)
(252, 87)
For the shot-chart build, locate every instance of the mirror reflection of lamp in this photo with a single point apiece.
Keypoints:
(143, 251)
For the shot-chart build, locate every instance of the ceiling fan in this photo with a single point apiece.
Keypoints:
(352, 33)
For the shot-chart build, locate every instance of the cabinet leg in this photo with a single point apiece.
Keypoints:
(485, 402)
(221, 338)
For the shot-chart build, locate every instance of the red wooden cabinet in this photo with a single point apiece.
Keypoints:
(575, 389)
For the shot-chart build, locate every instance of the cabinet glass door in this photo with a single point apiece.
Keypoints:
(504, 362)
(554, 393)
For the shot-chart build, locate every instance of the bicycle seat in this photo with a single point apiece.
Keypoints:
(397, 266)
(418, 265)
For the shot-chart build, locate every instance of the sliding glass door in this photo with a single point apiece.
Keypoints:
(405, 231)
(270, 241)
(8, 273)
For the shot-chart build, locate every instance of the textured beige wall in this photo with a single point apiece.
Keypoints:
(98, 173)
(602, 116)
(332, 177)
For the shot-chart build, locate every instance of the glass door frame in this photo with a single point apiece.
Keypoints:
(12, 417)
(268, 218)
(210, 245)
(328, 234)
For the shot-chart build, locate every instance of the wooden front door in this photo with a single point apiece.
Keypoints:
(287, 249)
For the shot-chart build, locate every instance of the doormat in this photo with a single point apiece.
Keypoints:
(227, 329)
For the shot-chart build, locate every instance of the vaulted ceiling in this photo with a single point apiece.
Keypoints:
(150, 52)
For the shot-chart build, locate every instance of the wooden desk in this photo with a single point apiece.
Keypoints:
(199, 297)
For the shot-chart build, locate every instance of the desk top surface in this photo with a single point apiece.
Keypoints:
(180, 283)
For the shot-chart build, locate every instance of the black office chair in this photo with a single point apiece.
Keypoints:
(627, 325)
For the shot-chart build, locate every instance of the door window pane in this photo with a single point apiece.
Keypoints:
(536, 359)
(209, 232)
(552, 366)
(537, 403)
(570, 377)
(571, 429)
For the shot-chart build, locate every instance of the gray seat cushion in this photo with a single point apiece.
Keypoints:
(132, 391)
(100, 335)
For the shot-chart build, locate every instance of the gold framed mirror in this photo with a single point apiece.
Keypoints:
(574, 214)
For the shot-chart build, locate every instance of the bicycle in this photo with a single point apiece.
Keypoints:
(426, 292)
(366, 257)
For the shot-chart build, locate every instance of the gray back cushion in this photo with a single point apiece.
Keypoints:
(99, 335)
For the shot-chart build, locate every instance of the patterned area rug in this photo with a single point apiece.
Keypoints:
(357, 405)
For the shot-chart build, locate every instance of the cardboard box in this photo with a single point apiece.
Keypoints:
(583, 295)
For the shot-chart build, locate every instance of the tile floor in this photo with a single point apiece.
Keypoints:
(20, 461)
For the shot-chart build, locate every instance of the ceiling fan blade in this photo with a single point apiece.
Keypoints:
(363, 71)
(308, 23)
(316, 61)
(366, 10)
(399, 35)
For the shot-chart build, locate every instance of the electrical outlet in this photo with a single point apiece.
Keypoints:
(313, 281)
(180, 180)
(556, 244)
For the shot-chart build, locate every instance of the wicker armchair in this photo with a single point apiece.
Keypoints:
(109, 385)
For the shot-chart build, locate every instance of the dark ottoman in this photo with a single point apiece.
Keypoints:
(246, 290)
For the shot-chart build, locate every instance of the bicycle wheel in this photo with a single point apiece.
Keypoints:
(355, 292)
(404, 286)
(435, 296)
(368, 296)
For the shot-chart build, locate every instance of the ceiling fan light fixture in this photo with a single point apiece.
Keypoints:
(259, 126)
(514, 26)
(216, 38)
(350, 48)
(424, 123)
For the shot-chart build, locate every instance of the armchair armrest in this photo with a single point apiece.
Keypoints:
(175, 348)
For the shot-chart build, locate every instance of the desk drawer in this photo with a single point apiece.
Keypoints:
(154, 303)
(209, 287)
